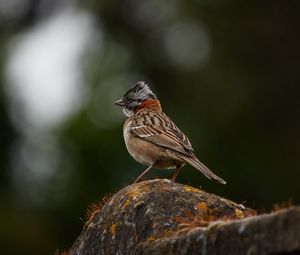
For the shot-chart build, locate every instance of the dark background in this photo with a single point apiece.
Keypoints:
(226, 72)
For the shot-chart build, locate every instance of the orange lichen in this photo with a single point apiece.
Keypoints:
(201, 206)
(134, 193)
(185, 217)
(151, 238)
(113, 228)
(239, 213)
(126, 203)
(205, 215)
(190, 189)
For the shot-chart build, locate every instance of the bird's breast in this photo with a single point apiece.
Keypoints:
(126, 131)
(136, 147)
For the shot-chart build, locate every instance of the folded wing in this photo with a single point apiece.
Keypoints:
(160, 130)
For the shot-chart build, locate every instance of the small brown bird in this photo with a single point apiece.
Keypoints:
(152, 138)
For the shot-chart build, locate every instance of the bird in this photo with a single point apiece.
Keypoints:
(152, 138)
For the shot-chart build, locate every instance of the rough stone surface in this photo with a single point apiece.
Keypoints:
(276, 233)
(159, 216)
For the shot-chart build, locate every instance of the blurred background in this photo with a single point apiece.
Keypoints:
(226, 72)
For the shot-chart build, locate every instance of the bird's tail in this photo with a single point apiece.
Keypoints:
(193, 161)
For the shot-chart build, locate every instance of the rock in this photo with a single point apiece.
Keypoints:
(148, 214)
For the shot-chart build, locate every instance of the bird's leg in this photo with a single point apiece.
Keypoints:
(142, 174)
(178, 167)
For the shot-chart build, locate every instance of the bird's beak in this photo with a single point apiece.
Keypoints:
(120, 103)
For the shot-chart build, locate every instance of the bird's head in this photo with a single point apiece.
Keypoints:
(135, 97)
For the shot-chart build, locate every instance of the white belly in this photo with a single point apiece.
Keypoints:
(126, 132)
(136, 148)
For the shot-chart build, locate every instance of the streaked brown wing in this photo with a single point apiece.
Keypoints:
(156, 127)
